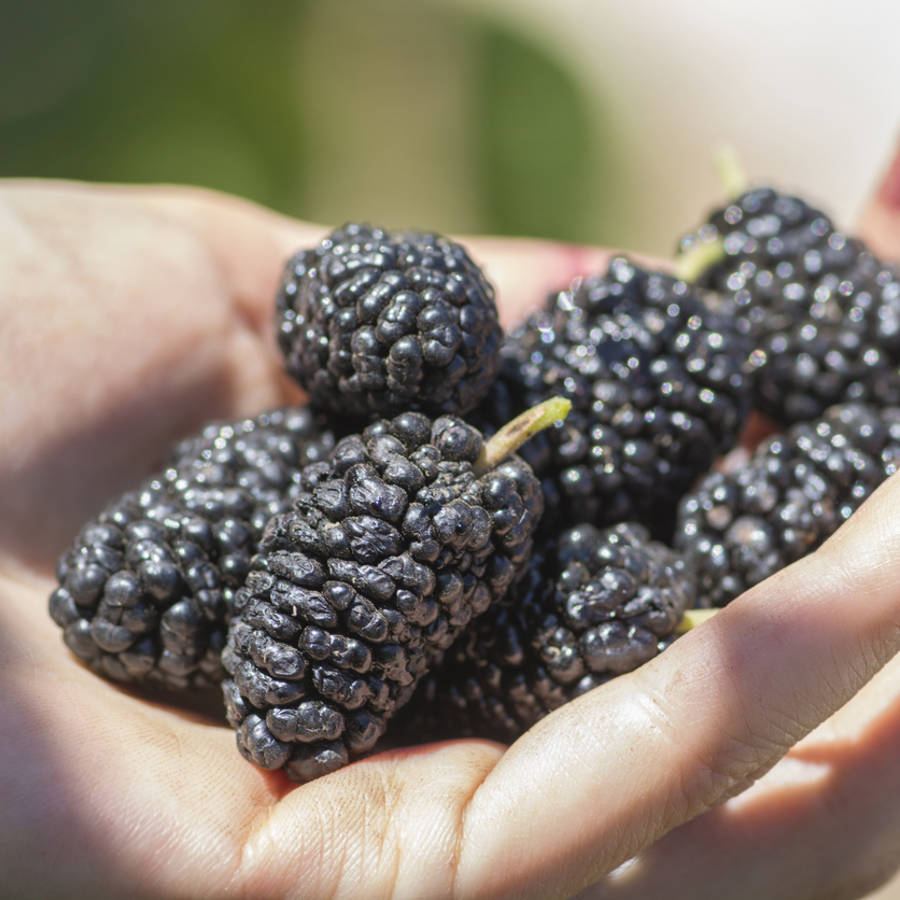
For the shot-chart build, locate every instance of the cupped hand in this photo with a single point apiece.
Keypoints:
(130, 317)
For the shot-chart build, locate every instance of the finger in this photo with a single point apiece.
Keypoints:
(609, 773)
(823, 822)
(249, 243)
(880, 222)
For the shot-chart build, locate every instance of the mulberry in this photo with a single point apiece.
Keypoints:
(594, 604)
(821, 312)
(145, 590)
(738, 528)
(398, 541)
(658, 389)
(374, 323)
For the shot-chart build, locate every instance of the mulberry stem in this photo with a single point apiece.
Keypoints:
(691, 265)
(512, 435)
(732, 176)
(692, 618)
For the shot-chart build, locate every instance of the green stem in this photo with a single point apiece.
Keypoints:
(512, 435)
(732, 176)
(694, 617)
(689, 266)
(701, 257)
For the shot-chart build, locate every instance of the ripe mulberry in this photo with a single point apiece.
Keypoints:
(398, 541)
(145, 590)
(822, 313)
(373, 323)
(658, 389)
(737, 528)
(594, 604)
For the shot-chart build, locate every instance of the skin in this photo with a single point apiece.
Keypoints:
(131, 316)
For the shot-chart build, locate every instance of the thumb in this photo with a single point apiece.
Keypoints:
(607, 774)
(879, 224)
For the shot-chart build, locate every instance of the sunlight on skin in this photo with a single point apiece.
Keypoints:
(790, 772)
(824, 815)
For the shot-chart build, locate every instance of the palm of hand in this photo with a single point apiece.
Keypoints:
(141, 316)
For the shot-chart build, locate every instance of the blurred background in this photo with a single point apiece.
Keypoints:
(576, 120)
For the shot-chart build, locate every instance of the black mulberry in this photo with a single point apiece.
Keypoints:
(737, 528)
(828, 342)
(145, 590)
(822, 314)
(594, 604)
(397, 543)
(373, 323)
(658, 389)
(763, 228)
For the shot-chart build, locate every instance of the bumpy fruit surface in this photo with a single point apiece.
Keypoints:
(822, 313)
(145, 590)
(833, 341)
(397, 543)
(763, 228)
(737, 528)
(657, 385)
(373, 323)
(594, 604)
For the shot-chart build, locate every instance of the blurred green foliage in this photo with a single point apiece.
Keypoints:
(179, 92)
(394, 110)
(532, 139)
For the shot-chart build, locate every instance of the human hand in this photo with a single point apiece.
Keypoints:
(134, 315)
(823, 823)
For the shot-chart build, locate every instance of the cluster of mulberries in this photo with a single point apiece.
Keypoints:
(594, 604)
(417, 576)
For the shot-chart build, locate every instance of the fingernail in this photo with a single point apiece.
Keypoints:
(889, 192)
